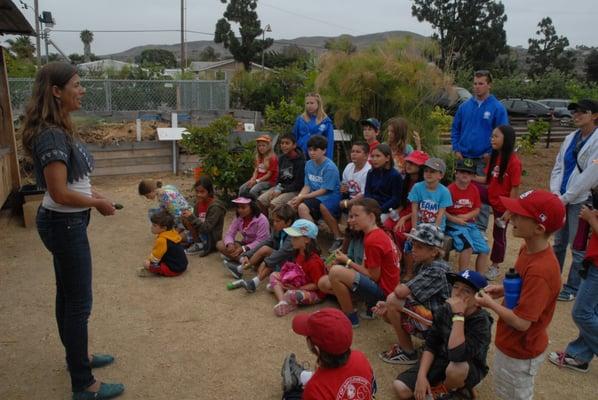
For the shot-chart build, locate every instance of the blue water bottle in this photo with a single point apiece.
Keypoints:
(512, 284)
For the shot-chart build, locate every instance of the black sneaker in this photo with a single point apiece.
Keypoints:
(291, 373)
(562, 359)
(396, 355)
(249, 285)
(234, 268)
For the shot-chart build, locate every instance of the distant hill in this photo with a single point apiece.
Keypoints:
(309, 43)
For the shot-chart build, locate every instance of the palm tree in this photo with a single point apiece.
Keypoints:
(22, 47)
(86, 37)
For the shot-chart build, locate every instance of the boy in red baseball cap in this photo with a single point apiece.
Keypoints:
(342, 373)
(521, 332)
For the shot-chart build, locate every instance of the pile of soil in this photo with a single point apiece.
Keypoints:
(107, 133)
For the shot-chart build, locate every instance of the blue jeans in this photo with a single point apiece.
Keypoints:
(585, 316)
(484, 215)
(367, 289)
(65, 236)
(564, 238)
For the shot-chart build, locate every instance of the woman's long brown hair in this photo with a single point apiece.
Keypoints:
(44, 110)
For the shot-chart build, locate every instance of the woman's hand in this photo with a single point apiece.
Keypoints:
(105, 207)
(587, 213)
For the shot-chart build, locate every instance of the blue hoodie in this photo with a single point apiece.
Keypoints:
(473, 125)
(384, 186)
(304, 130)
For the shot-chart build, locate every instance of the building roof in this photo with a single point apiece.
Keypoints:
(105, 63)
(198, 66)
(12, 20)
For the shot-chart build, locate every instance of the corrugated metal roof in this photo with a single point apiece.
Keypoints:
(12, 20)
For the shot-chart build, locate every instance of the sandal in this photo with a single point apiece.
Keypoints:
(283, 308)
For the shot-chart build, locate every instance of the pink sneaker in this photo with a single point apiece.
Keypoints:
(283, 308)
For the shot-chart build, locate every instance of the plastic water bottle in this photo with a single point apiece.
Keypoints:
(512, 284)
(393, 214)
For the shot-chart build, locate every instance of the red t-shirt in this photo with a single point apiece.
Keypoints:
(352, 381)
(313, 267)
(201, 209)
(592, 250)
(272, 167)
(541, 277)
(464, 201)
(379, 251)
(510, 179)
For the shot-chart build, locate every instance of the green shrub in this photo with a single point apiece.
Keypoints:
(535, 131)
(280, 119)
(228, 164)
(442, 119)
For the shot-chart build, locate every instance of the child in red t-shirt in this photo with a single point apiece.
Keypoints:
(378, 275)
(461, 227)
(265, 173)
(521, 332)
(296, 284)
(342, 373)
(503, 176)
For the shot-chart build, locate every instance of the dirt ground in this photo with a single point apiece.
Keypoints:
(187, 337)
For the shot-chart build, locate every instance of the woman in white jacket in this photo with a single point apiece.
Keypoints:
(574, 174)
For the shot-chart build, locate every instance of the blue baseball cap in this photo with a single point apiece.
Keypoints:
(471, 278)
(373, 122)
(302, 227)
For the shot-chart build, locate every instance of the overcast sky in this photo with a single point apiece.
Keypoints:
(289, 19)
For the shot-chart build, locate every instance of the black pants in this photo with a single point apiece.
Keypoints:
(65, 236)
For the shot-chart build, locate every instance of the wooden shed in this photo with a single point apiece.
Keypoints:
(14, 23)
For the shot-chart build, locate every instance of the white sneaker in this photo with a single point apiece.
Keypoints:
(194, 249)
(493, 273)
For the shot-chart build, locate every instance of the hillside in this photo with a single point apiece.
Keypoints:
(309, 43)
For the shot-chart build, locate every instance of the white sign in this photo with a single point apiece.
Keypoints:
(171, 133)
(249, 127)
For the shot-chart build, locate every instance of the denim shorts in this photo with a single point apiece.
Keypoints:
(367, 289)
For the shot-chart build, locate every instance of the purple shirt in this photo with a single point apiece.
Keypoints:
(257, 231)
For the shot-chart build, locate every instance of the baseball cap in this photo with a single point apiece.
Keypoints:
(436, 163)
(544, 207)
(263, 138)
(471, 278)
(465, 164)
(584, 105)
(328, 328)
(373, 122)
(428, 234)
(417, 157)
(302, 227)
(241, 200)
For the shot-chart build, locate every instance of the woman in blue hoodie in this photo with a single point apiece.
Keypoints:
(383, 182)
(314, 121)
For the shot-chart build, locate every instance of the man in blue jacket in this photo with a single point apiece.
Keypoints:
(472, 127)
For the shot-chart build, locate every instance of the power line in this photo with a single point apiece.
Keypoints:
(131, 31)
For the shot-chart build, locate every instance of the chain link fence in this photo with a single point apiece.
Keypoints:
(106, 95)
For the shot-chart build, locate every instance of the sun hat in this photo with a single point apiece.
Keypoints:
(428, 234)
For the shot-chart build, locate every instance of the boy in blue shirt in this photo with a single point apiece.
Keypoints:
(320, 196)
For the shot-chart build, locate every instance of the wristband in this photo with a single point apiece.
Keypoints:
(459, 318)
(348, 263)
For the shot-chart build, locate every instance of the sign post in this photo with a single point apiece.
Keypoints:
(173, 134)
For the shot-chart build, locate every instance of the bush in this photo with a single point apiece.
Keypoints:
(442, 119)
(282, 118)
(228, 166)
(535, 131)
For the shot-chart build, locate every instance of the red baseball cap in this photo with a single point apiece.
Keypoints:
(417, 157)
(328, 328)
(544, 207)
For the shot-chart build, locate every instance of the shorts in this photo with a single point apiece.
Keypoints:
(278, 201)
(413, 326)
(437, 374)
(514, 378)
(367, 289)
(466, 236)
(331, 204)
(163, 270)
(314, 208)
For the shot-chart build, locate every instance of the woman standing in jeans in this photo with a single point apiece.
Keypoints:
(62, 166)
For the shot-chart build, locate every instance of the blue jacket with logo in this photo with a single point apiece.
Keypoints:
(473, 125)
(303, 130)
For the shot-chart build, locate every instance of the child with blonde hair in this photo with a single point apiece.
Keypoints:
(265, 173)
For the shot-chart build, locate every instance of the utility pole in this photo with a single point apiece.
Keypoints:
(38, 42)
(183, 57)
(267, 28)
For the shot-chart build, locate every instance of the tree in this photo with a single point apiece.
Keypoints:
(290, 55)
(209, 54)
(248, 47)
(22, 47)
(343, 44)
(156, 57)
(470, 32)
(86, 37)
(591, 66)
(18, 67)
(547, 52)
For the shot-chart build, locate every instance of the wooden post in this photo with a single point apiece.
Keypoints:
(7, 134)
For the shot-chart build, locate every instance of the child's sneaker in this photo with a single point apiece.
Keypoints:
(144, 273)
(562, 359)
(565, 296)
(195, 248)
(493, 272)
(249, 285)
(354, 318)
(396, 355)
(291, 373)
(283, 308)
(235, 268)
(367, 314)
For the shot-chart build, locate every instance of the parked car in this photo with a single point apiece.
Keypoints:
(559, 109)
(526, 108)
(452, 98)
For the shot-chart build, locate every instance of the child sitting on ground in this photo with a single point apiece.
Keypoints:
(168, 256)
(410, 306)
(291, 170)
(461, 226)
(296, 283)
(342, 373)
(250, 223)
(206, 225)
(267, 256)
(320, 195)
(265, 173)
(169, 198)
(521, 332)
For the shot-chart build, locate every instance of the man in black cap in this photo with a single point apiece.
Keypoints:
(454, 359)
